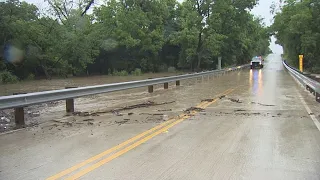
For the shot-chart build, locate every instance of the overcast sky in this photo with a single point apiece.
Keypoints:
(262, 10)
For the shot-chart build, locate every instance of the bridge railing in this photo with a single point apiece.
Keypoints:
(311, 85)
(19, 101)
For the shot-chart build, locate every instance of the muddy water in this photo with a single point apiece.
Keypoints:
(42, 112)
(43, 85)
(188, 94)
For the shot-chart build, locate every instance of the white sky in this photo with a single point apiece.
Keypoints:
(262, 10)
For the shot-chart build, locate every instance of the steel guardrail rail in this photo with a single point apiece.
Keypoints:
(310, 84)
(23, 100)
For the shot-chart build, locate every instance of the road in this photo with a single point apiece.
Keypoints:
(250, 124)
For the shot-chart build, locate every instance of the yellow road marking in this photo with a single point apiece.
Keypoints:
(207, 103)
(132, 146)
(119, 153)
(96, 157)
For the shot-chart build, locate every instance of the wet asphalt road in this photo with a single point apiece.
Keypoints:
(259, 130)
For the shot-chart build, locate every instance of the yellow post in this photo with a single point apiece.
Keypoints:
(301, 63)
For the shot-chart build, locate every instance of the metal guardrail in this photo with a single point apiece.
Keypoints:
(311, 85)
(23, 100)
(18, 102)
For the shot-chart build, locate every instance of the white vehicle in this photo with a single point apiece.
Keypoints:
(256, 62)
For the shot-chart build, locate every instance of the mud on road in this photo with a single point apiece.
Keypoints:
(169, 103)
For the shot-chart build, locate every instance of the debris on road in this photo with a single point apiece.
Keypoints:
(147, 104)
(122, 122)
(4, 119)
(266, 104)
(247, 114)
(235, 100)
(68, 123)
(84, 114)
(237, 110)
(152, 114)
(142, 105)
(207, 100)
(117, 113)
(262, 104)
(194, 109)
(33, 114)
(256, 113)
(58, 121)
(162, 110)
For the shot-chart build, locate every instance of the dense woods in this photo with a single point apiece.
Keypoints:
(297, 29)
(77, 37)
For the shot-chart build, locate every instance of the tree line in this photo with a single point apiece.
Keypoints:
(297, 29)
(126, 35)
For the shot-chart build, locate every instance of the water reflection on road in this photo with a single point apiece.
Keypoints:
(255, 81)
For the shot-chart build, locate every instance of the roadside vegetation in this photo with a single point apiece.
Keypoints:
(126, 37)
(297, 29)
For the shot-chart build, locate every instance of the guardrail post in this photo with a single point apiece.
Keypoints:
(313, 92)
(178, 83)
(70, 103)
(308, 88)
(318, 97)
(150, 89)
(19, 116)
(166, 85)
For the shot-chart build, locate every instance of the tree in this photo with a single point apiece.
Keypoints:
(297, 29)
(128, 34)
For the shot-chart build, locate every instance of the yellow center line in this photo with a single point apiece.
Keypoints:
(132, 146)
(208, 103)
(119, 146)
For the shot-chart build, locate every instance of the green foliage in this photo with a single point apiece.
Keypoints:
(8, 77)
(297, 29)
(30, 77)
(129, 35)
(137, 72)
(120, 73)
(171, 69)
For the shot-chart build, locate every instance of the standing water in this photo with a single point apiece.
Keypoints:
(45, 85)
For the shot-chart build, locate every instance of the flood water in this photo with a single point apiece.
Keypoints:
(44, 85)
